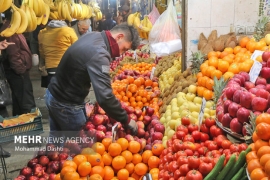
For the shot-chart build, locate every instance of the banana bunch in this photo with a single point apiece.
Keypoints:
(51, 4)
(96, 10)
(15, 23)
(37, 6)
(31, 17)
(145, 27)
(4, 5)
(130, 19)
(64, 10)
(54, 15)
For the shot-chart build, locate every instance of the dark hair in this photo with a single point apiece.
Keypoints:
(130, 32)
(108, 15)
(8, 14)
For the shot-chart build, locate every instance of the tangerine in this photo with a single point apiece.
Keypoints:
(84, 168)
(127, 155)
(134, 147)
(114, 149)
(157, 149)
(99, 148)
(140, 169)
(98, 170)
(118, 162)
(122, 174)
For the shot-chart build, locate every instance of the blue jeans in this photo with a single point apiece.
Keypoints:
(66, 120)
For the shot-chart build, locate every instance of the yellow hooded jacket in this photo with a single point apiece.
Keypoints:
(54, 40)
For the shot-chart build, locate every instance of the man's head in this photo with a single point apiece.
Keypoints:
(126, 36)
(124, 9)
(108, 15)
(83, 26)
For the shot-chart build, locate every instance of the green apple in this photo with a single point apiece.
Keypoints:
(193, 120)
(190, 96)
(197, 100)
(181, 100)
(170, 133)
(175, 115)
(206, 115)
(165, 138)
(192, 89)
(192, 107)
(178, 123)
(207, 110)
(198, 107)
(267, 39)
(209, 104)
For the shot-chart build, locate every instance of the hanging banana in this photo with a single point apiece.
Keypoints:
(4, 5)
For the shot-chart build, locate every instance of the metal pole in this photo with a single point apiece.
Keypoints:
(184, 35)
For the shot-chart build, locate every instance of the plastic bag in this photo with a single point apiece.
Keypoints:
(153, 15)
(164, 38)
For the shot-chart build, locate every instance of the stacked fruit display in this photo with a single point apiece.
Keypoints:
(194, 153)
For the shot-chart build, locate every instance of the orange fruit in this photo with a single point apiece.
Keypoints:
(257, 174)
(153, 162)
(99, 148)
(57, 177)
(216, 73)
(107, 159)
(123, 143)
(66, 169)
(130, 178)
(264, 159)
(209, 84)
(98, 170)
(71, 176)
(70, 163)
(114, 149)
(137, 158)
(244, 41)
(263, 150)
(207, 94)
(251, 155)
(260, 143)
(78, 159)
(209, 70)
(213, 61)
(157, 149)
(154, 171)
(95, 159)
(118, 162)
(229, 50)
(127, 155)
(134, 147)
(140, 169)
(253, 164)
(212, 54)
(84, 168)
(130, 168)
(108, 173)
(223, 66)
(228, 75)
(122, 174)
(95, 177)
(234, 68)
(146, 155)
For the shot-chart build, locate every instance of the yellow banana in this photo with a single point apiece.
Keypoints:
(79, 11)
(53, 16)
(34, 20)
(25, 7)
(14, 24)
(59, 10)
(90, 11)
(68, 11)
(63, 10)
(149, 23)
(130, 19)
(31, 3)
(36, 8)
(74, 10)
(137, 20)
(24, 21)
(41, 7)
(4, 5)
(39, 19)
(46, 15)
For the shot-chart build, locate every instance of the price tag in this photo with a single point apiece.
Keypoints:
(135, 56)
(255, 71)
(255, 54)
(202, 112)
(114, 132)
(152, 73)
(147, 177)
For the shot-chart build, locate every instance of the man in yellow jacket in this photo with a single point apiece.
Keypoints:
(53, 41)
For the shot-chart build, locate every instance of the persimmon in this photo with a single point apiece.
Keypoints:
(122, 174)
(199, 75)
(203, 66)
(108, 173)
(118, 162)
(84, 168)
(134, 147)
(114, 149)
(140, 169)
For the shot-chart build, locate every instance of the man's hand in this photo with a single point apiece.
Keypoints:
(4, 44)
(132, 126)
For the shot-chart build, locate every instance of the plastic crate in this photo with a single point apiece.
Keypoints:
(32, 128)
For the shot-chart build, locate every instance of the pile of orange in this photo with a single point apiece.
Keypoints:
(141, 67)
(109, 160)
(226, 64)
(138, 93)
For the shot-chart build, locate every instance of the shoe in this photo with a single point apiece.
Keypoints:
(4, 153)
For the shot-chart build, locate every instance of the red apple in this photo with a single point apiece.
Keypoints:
(246, 99)
(233, 108)
(245, 75)
(20, 177)
(253, 90)
(260, 80)
(150, 111)
(241, 78)
(43, 160)
(100, 135)
(265, 55)
(33, 178)
(26, 171)
(220, 114)
(106, 119)
(132, 116)
(265, 72)
(259, 104)
(98, 119)
(138, 112)
(236, 96)
(52, 176)
(147, 135)
(226, 105)
(101, 128)
(89, 125)
(226, 120)
(63, 156)
(101, 111)
(264, 64)
(91, 132)
(257, 113)
(32, 162)
(157, 136)
(140, 124)
(244, 131)
(236, 126)
(159, 128)
(154, 122)
(130, 109)
(229, 92)
(262, 93)
(53, 155)
(129, 137)
(260, 86)
(248, 85)
(142, 142)
(38, 171)
(243, 115)
(147, 120)
(267, 88)
(268, 62)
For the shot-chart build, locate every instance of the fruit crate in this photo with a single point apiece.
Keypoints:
(30, 128)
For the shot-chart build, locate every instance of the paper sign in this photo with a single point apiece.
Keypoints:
(255, 54)
(202, 112)
(255, 71)
(114, 132)
(152, 73)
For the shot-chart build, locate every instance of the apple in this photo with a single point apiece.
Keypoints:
(260, 80)
(226, 105)
(257, 113)
(20, 177)
(38, 171)
(243, 115)
(121, 134)
(246, 99)
(130, 109)
(138, 112)
(262, 93)
(265, 55)
(264, 64)
(248, 85)
(267, 88)
(53, 155)
(132, 116)
(265, 72)
(154, 122)
(226, 120)
(33, 178)
(100, 135)
(100, 110)
(259, 104)
(253, 90)
(268, 111)
(244, 131)
(52, 176)
(108, 133)
(109, 127)
(106, 119)
(159, 128)
(129, 137)
(150, 111)
(268, 63)
(260, 86)
(241, 78)
(157, 136)
(245, 75)
(26, 171)
(220, 114)
(236, 96)
(43, 160)
(140, 124)
(89, 125)
(236, 126)
(233, 108)
(146, 135)
(32, 162)
(98, 119)
(101, 128)
(91, 132)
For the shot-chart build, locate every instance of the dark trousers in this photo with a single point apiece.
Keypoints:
(22, 92)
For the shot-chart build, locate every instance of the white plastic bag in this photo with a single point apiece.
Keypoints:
(165, 38)
(153, 15)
